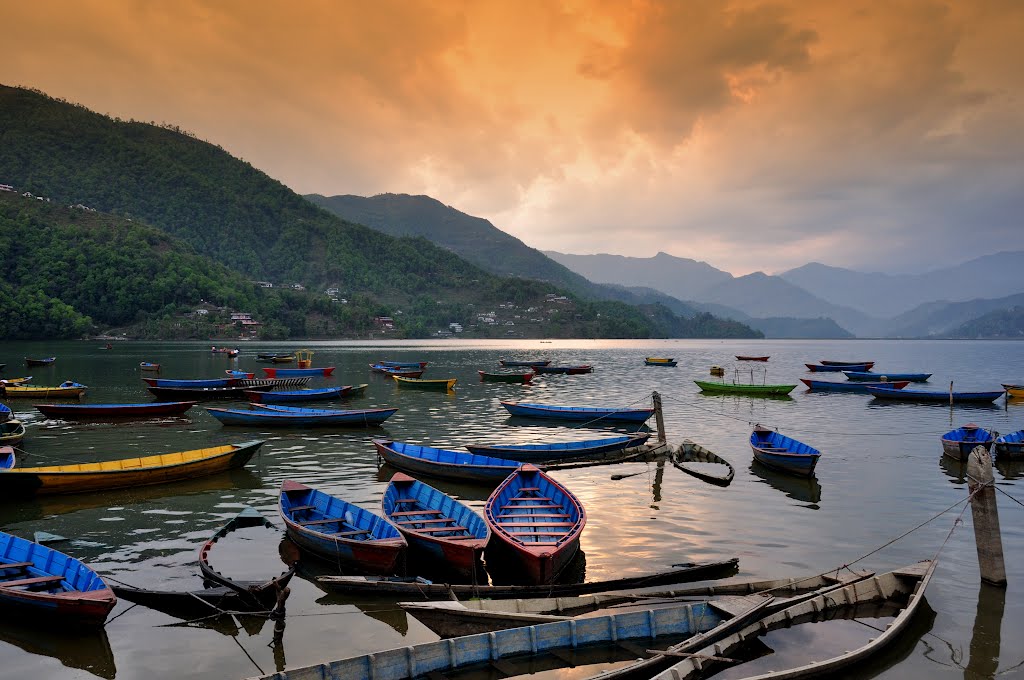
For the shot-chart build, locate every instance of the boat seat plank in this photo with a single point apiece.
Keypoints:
(538, 524)
(16, 565)
(530, 498)
(425, 521)
(348, 533)
(406, 513)
(405, 500)
(326, 520)
(508, 515)
(550, 506)
(436, 530)
(298, 508)
(530, 488)
(467, 537)
(36, 581)
(528, 534)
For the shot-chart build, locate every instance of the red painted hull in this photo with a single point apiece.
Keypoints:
(114, 410)
(740, 357)
(89, 608)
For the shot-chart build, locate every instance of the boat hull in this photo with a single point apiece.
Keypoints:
(33, 392)
(295, 372)
(325, 394)
(564, 370)
(742, 357)
(711, 387)
(859, 387)
(524, 364)
(523, 378)
(262, 418)
(934, 397)
(866, 376)
(443, 385)
(836, 368)
(86, 411)
(205, 393)
(583, 413)
(444, 463)
(782, 453)
(577, 450)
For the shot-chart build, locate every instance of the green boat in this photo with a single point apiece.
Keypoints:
(744, 388)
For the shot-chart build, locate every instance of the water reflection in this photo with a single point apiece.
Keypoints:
(83, 648)
(803, 489)
(985, 638)
(955, 470)
(1010, 469)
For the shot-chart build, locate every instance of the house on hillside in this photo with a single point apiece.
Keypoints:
(385, 323)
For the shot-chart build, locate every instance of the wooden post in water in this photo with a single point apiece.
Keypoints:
(659, 417)
(980, 483)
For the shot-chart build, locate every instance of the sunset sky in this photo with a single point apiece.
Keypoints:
(751, 135)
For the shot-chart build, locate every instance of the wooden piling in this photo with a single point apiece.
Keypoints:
(987, 538)
(659, 417)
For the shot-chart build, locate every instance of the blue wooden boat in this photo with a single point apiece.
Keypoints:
(825, 362)
(444, 463)
(7, 458)
(537, 521)
(39, 581)
(337, 530)
(959, 443)
(204, 382)
(397, 370)
(404, 364)
(836, 368)
(5, 413)
(321, 394)
(1010, 446)
(148, 366)
(862, 387)
(240, 375)
(39, 362)
(302, 417)
(575, 450)
(934, 396)
(782, 453)
(435, 525)
(585, 413)
(865, 376)
(531, 364)
(579, 369)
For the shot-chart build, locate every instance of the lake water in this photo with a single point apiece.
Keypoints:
(881, 474)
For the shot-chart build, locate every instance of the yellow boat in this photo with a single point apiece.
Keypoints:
(1015, 391)
(72, 391)
(14, 381)
(11, 432)
(124, 472)
(430, 384)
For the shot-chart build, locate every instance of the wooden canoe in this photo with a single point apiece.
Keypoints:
(525, 364)
(148, 366)
(959, 443)
(261, 594)
(829, 362)
(11, 432)
(836, 368)
(861, 387)
(293, 372)
(321, 394)
(745, 389)
(7, 457)
(418, 588)
(867, 376)
(41, 582)
(339, 531)
(436, 526)
(577, 413)
(744, 357)
(1010, 446)
(137, 410)
(537, 521)
(274, 417)
(205, 393)
(39, 362)
(580, 449)
(426, 383)
(124, 472)
(934, 396)
(523, 378)
(783, 453)
(72, 391)
(690, 453)
(467, 616)
(190, 604)
(579, 369)
(900, 591)
(444, 463)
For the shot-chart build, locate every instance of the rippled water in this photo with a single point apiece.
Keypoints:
(881, 474)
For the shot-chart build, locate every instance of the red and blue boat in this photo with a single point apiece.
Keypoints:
(935, 396)
(584, 413)
(294, 372)
(537, 521)
(338, 530)
(574, 450)
(862, 387)
(321, 394)
(578, 369)
(403, 364)
(139, 410)
(435, 525)
(837, 368)
(958, 443)
(397, 370)
(444, 463)
(41, 582)
(7, 458)
(866, 376)
(869, 364)
(783, 453)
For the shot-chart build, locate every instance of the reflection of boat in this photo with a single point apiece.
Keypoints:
(960, 442)
(1010, 469)
(587, 413)
(802, 489)
(573, 450)
(689, 453)
(746, 389)
(783, 453)
(412, 587)
(86, 649)
(954, 468)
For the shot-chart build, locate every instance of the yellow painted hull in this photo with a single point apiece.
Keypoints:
(437, 384)
(125, 472)
(13, 391)
(1015, 392)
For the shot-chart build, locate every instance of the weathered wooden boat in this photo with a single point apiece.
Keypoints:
(1010, 446)
(293, 372)
(426, 383)
(717, 371)
(744, 357)
(825, 362)
(338, 530)
(355, 390)
(202, 382)
(222, 350)
(435, 525)
(11, 432)
(282, 359)
(899, 593)
(261, 594)
(404, 364)
(836, 368)
(565, 370)
(577, 413)
(321, 394)
(39, 362)
(263, 417)
(239, 375)
(66, 390)
(862, 387)
(659, 361)
(237, 392)
(7, 458)
(523, 378)
(450, 618)
(418, 588)
(783, 453)
(148, 366)
(15, 381)
(297, 381)
(397, 370)
(579, 449)
(867, 376)
(41, 582)
(139, 410)
(690, 457)
(959, 443)
(5, 413)
(124, 472)
(537, 521)
(269, 357)
(934, 396)
(190, 604)
(746, 389)
(526, 364)
(444, 463)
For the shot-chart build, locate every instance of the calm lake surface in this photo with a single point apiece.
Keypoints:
(881, 474)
